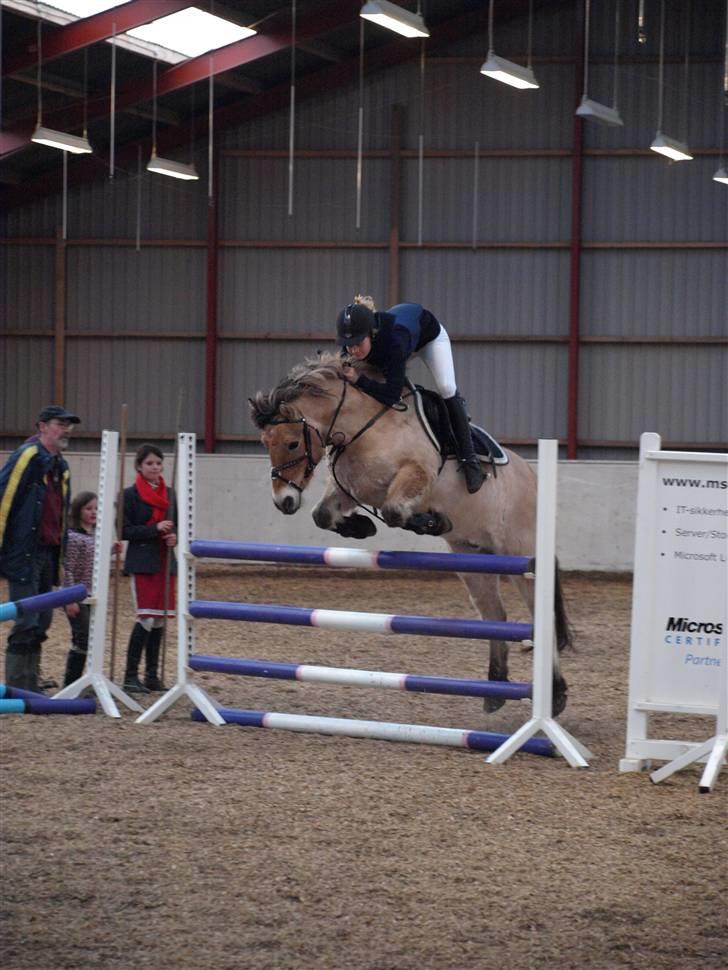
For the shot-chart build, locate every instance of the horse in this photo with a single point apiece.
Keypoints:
(381, 457)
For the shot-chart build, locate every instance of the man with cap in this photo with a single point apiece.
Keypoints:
(35, 491)
(387, 340)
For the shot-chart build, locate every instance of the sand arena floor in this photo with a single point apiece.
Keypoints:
(179, 845)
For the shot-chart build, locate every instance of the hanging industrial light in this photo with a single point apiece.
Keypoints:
(673, 149)
(166, 166)
(76, 144)
(593, 109)
(506, 71)
(395, 18)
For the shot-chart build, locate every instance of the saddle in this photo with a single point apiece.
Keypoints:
(432, 413)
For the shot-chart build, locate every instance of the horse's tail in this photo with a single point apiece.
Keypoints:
(564, 635)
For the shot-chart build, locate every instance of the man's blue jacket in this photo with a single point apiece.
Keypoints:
(23, 482)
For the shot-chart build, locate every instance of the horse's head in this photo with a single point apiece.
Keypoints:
(294, 446)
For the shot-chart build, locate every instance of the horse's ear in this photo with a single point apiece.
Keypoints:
(257, 412)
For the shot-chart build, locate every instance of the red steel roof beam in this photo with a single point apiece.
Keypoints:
(333, 16)
(91, 30)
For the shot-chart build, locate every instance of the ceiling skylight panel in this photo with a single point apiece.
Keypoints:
(191, 32)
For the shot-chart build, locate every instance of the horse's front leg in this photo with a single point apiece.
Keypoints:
(485, 597)
(335, 512)
(406, 498)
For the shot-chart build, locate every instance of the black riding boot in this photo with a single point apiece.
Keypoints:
(16, 662)
(151, 677)
(469, 461)
(75, 663)
(133, 655)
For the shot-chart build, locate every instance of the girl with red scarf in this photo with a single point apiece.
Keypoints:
(149, 527)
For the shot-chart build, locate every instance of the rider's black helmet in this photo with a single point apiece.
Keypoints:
(354, 323)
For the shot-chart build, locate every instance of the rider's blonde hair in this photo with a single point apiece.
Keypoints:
(367, 301)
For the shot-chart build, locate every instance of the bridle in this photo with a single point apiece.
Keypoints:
(307, 456)
(327, 440)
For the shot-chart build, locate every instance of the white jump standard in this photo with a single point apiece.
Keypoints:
(541, 633)
(104, 688)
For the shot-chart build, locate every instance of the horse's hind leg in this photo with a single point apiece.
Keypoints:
(560, 688)
(485, 597)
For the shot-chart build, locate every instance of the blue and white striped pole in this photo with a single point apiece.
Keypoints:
(43, 601)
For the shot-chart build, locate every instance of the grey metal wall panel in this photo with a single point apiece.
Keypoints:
(649, 199)
(515, 391)
(246, 368)
(518, 199)
(147, 374)
(463, 106)
(512, 292)
(652, 293)
(119, 289)
(254, 199)
(169, 207)
(288, 290)
(26, 381)
(26, 287)
(638, 105)
(627, 390)
(37, 220)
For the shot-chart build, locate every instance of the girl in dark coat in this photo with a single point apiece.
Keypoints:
(149, 527)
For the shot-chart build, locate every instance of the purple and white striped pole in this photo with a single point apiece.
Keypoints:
(309, 673)
(376, 730)
(335, 557)
(361, 622)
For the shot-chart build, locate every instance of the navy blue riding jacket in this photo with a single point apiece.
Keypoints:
(400, 332)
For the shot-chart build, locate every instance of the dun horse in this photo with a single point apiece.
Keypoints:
(381, 457)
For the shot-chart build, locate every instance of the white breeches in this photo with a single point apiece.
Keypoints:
(438, 357)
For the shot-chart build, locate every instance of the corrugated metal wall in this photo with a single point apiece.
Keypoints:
(285, 276)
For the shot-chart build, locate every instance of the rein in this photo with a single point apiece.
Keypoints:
(338, 450)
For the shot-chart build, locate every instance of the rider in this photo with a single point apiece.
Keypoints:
(387, 340)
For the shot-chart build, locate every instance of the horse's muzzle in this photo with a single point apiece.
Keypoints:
(288, 502)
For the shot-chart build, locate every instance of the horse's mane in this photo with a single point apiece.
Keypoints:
(311, 377)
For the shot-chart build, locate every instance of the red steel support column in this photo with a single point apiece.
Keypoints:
(395, 174)
(575, 249)
(211, 326)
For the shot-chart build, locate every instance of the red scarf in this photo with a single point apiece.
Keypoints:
(156, 497)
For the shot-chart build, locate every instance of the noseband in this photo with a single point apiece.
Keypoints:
(307, 456)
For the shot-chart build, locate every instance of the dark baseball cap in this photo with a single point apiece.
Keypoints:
(56, 412)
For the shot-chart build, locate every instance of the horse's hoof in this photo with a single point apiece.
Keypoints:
(392, 518)
(428, 524)
(492, 704)
(323, 519)
(422, 523)
(356, 527)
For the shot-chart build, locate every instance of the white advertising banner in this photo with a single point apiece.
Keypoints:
(680, 594)
(688, 572)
